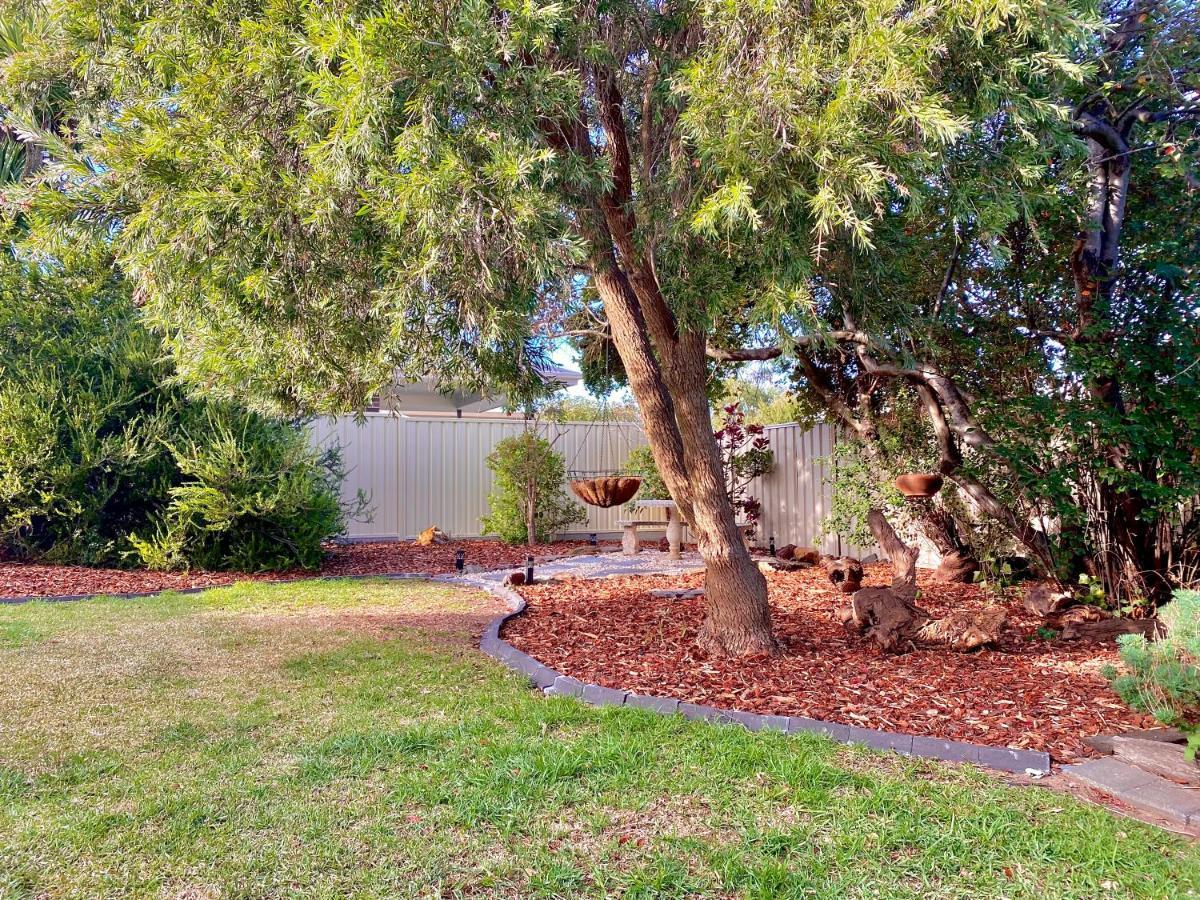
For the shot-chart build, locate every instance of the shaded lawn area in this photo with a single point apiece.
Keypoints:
(345, 738)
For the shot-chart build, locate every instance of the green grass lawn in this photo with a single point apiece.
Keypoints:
(346, 739)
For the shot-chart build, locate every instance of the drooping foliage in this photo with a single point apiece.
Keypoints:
(1041, 316)
(312, 195)
(309, 195)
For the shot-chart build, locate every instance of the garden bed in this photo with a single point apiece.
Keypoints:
(382, 558)
(1028, 692)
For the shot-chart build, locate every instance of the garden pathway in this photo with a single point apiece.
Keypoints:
(600, 565)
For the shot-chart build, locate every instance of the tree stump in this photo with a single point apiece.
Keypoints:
(957, 567)
(902, 556)
(845, 573)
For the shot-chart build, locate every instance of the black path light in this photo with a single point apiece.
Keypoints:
(592, 539)
(772, 547)
(460, 557)
(529, 569)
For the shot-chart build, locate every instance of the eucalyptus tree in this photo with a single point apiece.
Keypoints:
(312, 194)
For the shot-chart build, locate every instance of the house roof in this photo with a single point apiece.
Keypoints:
(423, 397)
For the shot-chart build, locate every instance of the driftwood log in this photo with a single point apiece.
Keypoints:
(902, 557)
(783, 565)
(890, 617)
(1103, 743)
(964, 630)
(845, 573)
(1108, 629)
(1158, 758)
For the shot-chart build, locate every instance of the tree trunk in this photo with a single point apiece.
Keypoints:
(530, 514)
(902, 556)
(678, 425)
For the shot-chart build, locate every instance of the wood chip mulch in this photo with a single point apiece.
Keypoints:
(1027, 692)
(19, 579)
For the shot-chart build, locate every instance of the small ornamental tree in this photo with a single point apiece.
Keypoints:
(527, 503)
(1162, 677)
(745, 455)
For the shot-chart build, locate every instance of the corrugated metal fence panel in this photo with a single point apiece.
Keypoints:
(796, 493)
(421, 472)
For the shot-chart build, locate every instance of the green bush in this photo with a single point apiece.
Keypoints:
(81, 415)
(254, 497)
(527, 494)
(1162, 677)
(98, 445)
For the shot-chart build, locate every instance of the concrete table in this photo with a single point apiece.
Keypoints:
(674, 523)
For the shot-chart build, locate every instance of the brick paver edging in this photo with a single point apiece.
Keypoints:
(1007, 759)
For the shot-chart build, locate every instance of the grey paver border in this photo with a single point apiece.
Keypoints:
(1006, 759)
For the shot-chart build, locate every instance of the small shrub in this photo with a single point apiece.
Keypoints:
(527, 503)
(745, 455)
(1162, 677)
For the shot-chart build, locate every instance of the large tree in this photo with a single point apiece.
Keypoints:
(310, 194)
(1045, 317)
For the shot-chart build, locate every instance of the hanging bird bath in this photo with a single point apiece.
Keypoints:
(919, 485)
(606, 490)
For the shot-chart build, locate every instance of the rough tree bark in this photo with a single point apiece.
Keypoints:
(680, 435)
(902, 556)
(667, 372)
(665, 364)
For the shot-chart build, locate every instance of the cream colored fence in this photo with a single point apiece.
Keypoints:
(419, 472)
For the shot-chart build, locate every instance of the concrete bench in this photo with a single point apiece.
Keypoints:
(630, 541)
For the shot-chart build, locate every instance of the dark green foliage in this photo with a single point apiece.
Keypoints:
(528, 490)
(1163, 676)
(97, 445)
(82, 463)
(255, 496)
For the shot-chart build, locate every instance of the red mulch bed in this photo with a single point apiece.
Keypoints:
(18, 579)
(1028, 692)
